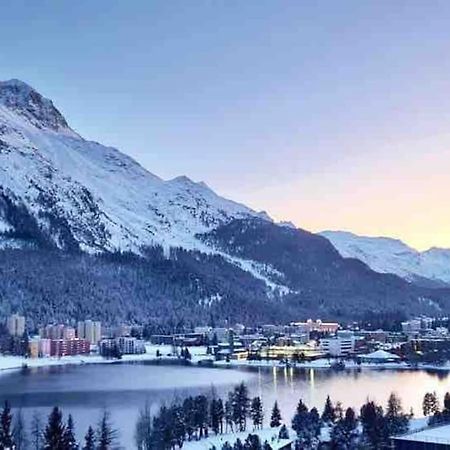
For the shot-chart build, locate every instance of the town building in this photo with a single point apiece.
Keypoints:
(69, 347)
(52, 331)
(33, 348)
(16, 325)
(123, 345)
(130, 345)
(378, 357)
(39, 347)
(431, 438)
(342, 344)
(44, 347)
(89, 330)
(318, 326)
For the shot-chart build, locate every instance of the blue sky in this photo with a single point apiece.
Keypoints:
(331, 114)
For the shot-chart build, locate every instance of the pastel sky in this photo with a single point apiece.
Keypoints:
(330, 114)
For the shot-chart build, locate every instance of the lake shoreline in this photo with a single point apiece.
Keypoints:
(162, 355)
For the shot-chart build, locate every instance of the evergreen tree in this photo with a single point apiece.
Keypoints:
(446, 410)
(241, 404)
(256, 412)
(220, 413)
(188, 413)
(338, 412)
(6, 437)
(252, 442)
(238, 445)
(301, 417)
(69, 434)
(201, 415)
(19, 432)
(89, 439)
(329, 413)
(178, 424)
(229, 413)
(54, 431)
(344, 435)
(306, 425)
(106, 435)
(430, 404)
(143, 432)
(396, 421)
(315, 422)
(283, 434)
(216, 415)
(374, 425)
(36, 431)
(275, 418)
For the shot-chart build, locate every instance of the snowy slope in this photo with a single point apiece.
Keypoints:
(81, 193)
(388, 255)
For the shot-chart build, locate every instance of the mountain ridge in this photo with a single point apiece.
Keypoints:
(389, 255)
(85, 230)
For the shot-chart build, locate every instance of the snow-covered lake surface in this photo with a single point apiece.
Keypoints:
(86, 389)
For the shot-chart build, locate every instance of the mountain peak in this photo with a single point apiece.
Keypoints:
(18, 96)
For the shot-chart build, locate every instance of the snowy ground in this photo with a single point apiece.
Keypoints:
(18, 362)
(267, 434)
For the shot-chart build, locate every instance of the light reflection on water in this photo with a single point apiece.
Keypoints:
(124, 388)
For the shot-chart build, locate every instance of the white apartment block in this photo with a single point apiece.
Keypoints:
(15, 325)
(340, 345)
(89, 330)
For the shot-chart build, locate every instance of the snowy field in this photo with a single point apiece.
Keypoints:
(19, 362)
(267, 434)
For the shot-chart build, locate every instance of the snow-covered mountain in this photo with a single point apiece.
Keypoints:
(387, 255)
(56, 186)
(226, 261)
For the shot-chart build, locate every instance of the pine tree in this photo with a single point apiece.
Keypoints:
(36, 431)
(256, 412)
(229, 412)
(19, 432)
(178, 424)
(241, 404)
(252, 442)
(69, 435)
(188, 413)
(89, 439)
(275, 418)
(430, 404)
(6, 437)
(446, 410)
(300, 419)
(329, 413)
(201, 414)
(344, 434)
(374, 425)
(216, 415)
(106, 435)
(54, 431)
(220, 413)
(143, 432)
(283, 434)
(338, 412)
(396, 420)
(315, 422)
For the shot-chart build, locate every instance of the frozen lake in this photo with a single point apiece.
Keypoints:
(123, 389)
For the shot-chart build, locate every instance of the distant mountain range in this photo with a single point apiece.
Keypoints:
(85, 231)
(386, 255)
